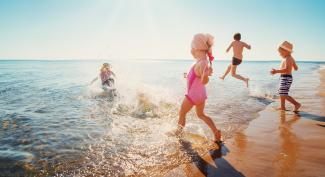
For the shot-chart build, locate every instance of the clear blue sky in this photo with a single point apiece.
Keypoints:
(88, 29)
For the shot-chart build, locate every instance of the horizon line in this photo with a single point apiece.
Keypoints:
(115, 59)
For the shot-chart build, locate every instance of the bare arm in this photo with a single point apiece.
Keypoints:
(94, 80)
(294, 65)
(282, 71)
(205, 71)
(247, 46)
(113, 74)
(205, 76)
(229, 48)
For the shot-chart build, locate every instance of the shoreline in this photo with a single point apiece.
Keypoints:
(273, 144)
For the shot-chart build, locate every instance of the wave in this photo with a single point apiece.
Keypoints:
(265, 92)
(144, 107)
(141, 102)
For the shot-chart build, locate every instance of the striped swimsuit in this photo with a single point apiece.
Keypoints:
(285, 84)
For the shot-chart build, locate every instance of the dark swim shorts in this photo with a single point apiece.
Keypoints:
(236, 61)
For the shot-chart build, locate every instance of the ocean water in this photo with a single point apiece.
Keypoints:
(54, 123)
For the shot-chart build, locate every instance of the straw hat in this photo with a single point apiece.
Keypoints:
(287, 46)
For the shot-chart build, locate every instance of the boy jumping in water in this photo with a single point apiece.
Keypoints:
(238, 47)
(288, 63)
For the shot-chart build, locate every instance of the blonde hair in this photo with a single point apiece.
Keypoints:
(104, 67)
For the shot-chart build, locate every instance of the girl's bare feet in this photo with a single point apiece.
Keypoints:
(297, 107)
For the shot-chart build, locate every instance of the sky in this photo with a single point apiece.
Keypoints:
(157, 29)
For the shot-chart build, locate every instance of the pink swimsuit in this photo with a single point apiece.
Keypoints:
(196, 92)
(104, 76)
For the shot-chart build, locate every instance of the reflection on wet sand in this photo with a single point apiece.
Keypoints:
(240, 142)
(287, 158)
(279, 144)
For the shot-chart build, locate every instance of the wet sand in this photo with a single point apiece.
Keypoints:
(277, 144)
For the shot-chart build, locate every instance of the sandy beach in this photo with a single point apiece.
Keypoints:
(142, 88)
(274, 144)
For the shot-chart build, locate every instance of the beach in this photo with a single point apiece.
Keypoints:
(148, 88)
(276, 143)
(54, 123)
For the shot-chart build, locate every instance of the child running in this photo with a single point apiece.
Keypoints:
(197, 78)
(288, 63)
(105, 75)
(238, 47)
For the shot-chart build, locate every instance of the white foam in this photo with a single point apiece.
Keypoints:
(322, 67)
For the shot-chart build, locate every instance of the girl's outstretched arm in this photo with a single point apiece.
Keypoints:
(94, 80)
(113, 74)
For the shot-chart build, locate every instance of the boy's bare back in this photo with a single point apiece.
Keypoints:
(238, 47)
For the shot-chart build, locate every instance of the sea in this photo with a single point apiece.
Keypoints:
(54, 122)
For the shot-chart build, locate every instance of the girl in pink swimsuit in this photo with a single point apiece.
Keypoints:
(196, 92)
(105, 75)
(197, 78)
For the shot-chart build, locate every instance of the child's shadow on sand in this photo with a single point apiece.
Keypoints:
(221, 167)
(311, 116)
(321, 125)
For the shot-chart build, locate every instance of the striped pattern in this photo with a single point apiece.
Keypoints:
(285, 84)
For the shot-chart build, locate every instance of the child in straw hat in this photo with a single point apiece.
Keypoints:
(288, 63)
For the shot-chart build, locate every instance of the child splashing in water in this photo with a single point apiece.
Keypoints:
(237, 47)
(197, 78)
(105, 75)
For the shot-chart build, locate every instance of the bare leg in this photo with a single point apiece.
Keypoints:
(283, 103)
(294, 102)
(185, 108)
(208, 121)
(237, 76)
(226, 73)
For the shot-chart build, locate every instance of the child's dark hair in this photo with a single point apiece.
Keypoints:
(237, 36)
